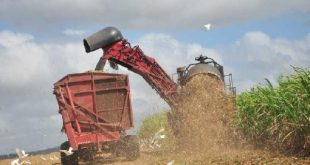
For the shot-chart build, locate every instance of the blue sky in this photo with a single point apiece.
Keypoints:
(40, 42)
(287, 26)
(290, 26)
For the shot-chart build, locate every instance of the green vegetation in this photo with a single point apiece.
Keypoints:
(278, 116)
(153, 124)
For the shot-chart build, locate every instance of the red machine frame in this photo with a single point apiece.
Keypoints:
(135, 60)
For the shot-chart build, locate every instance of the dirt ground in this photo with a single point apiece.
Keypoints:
(234, 156)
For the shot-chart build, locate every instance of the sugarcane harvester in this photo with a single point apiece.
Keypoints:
(118, 50)
(96, 106)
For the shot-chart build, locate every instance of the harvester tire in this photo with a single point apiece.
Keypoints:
(132, 151)
(68, 160)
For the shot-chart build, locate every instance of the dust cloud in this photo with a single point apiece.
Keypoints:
(204, 114)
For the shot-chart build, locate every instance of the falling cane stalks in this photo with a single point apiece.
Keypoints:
(204, 114)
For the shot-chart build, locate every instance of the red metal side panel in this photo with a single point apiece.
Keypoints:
(95, 106)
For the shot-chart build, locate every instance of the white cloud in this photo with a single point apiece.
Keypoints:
(24, 62)
(170, 53)
(257, 56)
(21, 61)
(259, 47)
(73, 32)
(9, 39)
(143, 14)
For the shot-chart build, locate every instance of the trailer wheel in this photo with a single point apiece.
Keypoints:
(132, 151)
(68, 160)
(87, 154)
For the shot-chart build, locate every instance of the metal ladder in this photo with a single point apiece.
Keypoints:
(229, 86)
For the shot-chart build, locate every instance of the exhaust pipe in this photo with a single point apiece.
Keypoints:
(102, 38)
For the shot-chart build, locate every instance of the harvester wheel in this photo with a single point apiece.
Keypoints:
(132, 151)
(68, 160)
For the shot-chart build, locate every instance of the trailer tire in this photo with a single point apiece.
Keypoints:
(87, 154)
(132, 151)
(68, 160)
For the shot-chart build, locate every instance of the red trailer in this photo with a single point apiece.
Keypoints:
(96, 111)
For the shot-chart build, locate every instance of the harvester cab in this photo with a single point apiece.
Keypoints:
(208, 66)
(205, 65)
